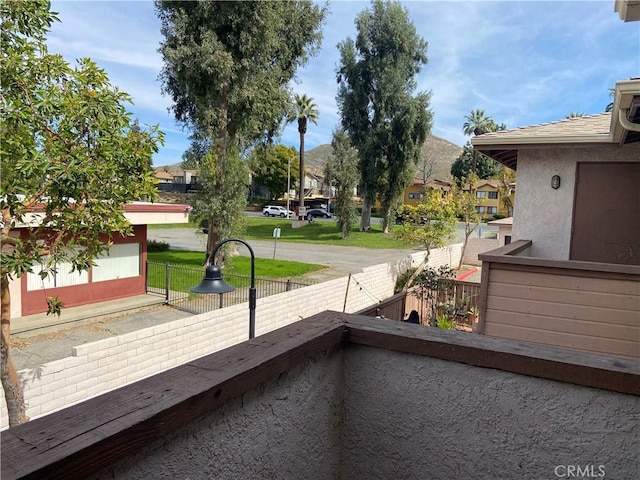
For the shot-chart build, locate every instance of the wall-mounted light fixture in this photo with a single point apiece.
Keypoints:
(555, 182)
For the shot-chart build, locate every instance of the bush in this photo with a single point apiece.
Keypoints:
(154, 246)
(498, 216)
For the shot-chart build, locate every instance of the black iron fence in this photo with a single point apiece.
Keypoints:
(173, 282)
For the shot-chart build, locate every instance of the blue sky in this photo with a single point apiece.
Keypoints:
(523, 62)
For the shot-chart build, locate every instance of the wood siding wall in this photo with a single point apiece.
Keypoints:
(581, 309)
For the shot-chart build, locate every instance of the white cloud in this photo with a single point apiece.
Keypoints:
(522, 62)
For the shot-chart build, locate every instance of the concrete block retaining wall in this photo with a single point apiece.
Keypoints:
(97, 367)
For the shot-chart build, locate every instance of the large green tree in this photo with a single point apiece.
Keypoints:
(376, 82)
(341, 172)
(71, 157)
(477, 123)
(227, 68)
(304, 111)
(275, 167)
(463, 166)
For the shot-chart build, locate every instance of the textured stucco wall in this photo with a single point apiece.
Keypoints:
(416, 417)
(289, 428)
(544, 215)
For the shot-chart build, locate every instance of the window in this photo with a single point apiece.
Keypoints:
(123, 261)
(63, 277)
(493, 195)
(492, 210)
(414, 196)
(479, 209)
(481, 194)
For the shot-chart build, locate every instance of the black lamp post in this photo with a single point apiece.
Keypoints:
(213, 282)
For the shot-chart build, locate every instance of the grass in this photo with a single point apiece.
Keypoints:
(324, 233)
(238, 265)
(319, 232)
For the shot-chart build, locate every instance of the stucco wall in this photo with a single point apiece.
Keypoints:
(544, 215)
(364, 412)
(290, 428)
(408, 416)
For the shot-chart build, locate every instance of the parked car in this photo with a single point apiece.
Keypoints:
(276, 211)
(403, 216)
(318, 212)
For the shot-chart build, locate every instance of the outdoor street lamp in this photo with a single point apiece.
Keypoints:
(213, 282)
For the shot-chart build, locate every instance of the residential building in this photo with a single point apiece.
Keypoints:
(570, 275)
(490, 201)
(414, 192)
(118, 274)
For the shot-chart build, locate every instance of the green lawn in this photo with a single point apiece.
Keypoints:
(318, 232)
(238, 265)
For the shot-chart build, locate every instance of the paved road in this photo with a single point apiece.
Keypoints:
(340, 260)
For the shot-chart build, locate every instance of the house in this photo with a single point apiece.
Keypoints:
(505, 227)
(490, 200)
(176, 180)
(119, 274)
(570, 275)
(414, 192)
(163, 177)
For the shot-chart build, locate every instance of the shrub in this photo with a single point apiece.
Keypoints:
(154, 246)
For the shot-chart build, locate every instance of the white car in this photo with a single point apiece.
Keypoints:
(275, 211)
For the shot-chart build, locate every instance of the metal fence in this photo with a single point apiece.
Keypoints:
(173, 282)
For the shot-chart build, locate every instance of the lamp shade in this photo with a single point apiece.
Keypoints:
(212, 282)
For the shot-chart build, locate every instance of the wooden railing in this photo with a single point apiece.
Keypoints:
(583, 305)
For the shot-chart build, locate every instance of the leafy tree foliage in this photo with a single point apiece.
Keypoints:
(341, 171)
(465, 198)
(386, 123)
(305, 111)
(271, 164)
(476, 124)
(462, 168)
(441, 210)
(227, 69)
(71, 158)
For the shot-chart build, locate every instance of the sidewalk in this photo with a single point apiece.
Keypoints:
(38, 339)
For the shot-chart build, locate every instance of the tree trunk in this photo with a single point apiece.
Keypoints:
(464, 248)
(8, 375)
(301, 200)
(365, 219)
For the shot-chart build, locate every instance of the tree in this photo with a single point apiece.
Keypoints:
(376, 81)
(441, 209)
(477, 124)
(304, 111)
(507, 179)
(271, 166)
(465, 198)
(485, 167)
(227, 68)
(575, 115)
(341, 171)
(71, 158)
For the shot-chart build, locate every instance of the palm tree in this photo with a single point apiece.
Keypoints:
(477, 124)
(575, 115)
(304, 110)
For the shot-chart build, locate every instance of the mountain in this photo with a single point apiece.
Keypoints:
(437, 156)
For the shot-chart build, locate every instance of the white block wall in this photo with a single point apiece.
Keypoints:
(476, 246)
(95, 368)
